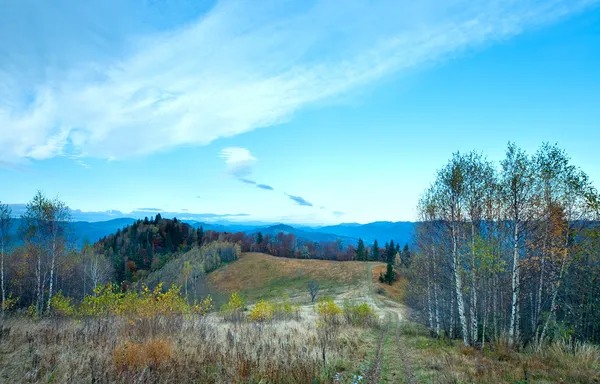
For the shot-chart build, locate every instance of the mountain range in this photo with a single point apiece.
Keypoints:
(348, 233)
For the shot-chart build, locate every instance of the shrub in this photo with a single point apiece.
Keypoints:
(232, 311)
(262, 311)
(110, 300)
(359, 314)
(328, 320)
(61, 305)
(328, 312)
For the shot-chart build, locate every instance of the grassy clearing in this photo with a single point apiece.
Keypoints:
(257, 275)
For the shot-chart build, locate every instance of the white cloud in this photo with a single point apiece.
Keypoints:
(239, 162)
(129, 90)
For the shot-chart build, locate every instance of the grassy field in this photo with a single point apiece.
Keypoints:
(257, 275)
(212, 349)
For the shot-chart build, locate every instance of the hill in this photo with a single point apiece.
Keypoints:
(258, 275)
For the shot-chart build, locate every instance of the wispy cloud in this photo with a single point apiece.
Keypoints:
(109, 85)
(299, 200)
(247, 181)
(338, 213)
(264, 186)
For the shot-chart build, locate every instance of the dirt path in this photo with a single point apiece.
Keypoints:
(394, 311)
(375, 372)
(409, 376)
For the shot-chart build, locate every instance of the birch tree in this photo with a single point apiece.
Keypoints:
(451, 190)
(516, 184)
(44, 229)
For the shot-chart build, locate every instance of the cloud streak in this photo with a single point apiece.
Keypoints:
(265, 187)
(139, 90)
(299, 200)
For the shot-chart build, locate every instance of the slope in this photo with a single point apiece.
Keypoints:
(257, 275)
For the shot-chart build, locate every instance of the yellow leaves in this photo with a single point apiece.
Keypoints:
(235, 302)
(61, 305)
(233, 309)
(359, 314)
(262, 311)
(147, 303)
(327, 311)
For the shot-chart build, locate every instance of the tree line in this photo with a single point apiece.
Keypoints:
(47, 259)
(509, 250)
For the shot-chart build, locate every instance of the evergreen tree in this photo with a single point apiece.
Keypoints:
(259, 238)
(157, 219)
(390, 276)
(375, 251)
(361, 253)
(390, 252)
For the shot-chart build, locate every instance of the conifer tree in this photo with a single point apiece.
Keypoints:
(391, 252)
(375, 251)
(360, 251)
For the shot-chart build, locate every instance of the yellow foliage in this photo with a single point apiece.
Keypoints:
(359, 314)
(110, 300)
(10, 302)
(327, 311)
(233, 309)
(61, 305)
(262, 311)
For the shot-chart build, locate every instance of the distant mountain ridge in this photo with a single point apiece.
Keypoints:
(349, 233)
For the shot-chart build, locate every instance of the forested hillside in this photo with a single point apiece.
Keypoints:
(150, 251)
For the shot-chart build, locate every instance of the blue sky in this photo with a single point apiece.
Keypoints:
(344, 111)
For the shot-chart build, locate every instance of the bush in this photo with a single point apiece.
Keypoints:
(62, 306)
(232, 311)
(328, 312)
(262, 311)
(362, 315)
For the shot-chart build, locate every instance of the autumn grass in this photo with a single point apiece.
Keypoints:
(396, 291)
(195, 349)
(260, 276)
(448, 361)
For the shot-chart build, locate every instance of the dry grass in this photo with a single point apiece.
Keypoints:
(396, 291)
(447, 361)
(195, 350)
(257, 275)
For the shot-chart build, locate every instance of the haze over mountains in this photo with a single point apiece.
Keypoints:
(92, 226)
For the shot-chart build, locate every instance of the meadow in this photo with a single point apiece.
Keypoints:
(357, 331)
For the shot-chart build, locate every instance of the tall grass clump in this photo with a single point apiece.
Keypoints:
(359, 314)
